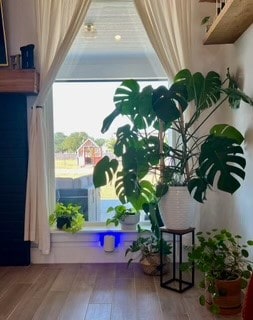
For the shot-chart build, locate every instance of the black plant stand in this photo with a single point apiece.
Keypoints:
(180, 285)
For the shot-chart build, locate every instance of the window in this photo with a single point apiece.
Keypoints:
(112, 45)
(79, 110)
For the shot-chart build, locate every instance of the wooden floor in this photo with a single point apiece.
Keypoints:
(93, 292)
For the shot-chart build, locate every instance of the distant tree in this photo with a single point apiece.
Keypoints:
(110, 143)
(59, 138)
(100, 142)
(74, 141)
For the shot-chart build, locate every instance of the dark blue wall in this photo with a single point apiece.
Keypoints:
(13, 173)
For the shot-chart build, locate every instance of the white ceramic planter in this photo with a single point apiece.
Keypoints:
(130, 222)
(176, 209)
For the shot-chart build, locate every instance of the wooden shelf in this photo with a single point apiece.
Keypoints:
(234, 19)
(19, 81)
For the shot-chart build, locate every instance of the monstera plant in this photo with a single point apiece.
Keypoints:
(147, 162)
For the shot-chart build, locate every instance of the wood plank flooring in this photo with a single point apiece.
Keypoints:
(93, 292)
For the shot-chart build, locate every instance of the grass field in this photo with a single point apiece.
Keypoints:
(66, 164)
(69, 169)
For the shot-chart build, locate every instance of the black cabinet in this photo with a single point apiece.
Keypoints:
(13, 175)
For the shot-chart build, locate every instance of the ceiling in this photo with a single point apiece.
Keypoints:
(112, 18)
(96, 54)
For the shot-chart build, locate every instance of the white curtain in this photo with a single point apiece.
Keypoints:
(168, 25)
(57, 25)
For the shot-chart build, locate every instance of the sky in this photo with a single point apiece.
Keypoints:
(82, 107)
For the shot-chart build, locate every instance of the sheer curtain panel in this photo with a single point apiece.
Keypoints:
(168, 25)
(57, 23)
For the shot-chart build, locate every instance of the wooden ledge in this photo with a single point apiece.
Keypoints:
(19, 81)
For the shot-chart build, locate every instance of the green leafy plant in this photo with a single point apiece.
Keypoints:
(205, 20)
(219, 255)
(143, 151)
(149, 241)
(67, 217)
(120, 212)
(147, 244)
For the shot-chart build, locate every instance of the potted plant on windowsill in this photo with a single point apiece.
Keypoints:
(224, 263)
(67, 217)
(147, 164)
(128, 218)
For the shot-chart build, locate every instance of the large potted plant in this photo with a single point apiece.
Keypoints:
(147, 164)
(223, 262)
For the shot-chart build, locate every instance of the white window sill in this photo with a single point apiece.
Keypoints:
(94, 232)
(86, 246)
(101, 227)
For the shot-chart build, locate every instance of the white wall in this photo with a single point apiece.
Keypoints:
(19, 22)
(243, 119)
(223, 210)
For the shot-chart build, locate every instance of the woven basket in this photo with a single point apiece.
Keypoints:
(151, 264)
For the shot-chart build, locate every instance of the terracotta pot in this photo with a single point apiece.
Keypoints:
(151, 264)
(229, 298)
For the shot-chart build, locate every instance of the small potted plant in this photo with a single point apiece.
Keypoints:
(128, 218)
(223, 260)
(146, 249)
(206, 22)
(67, 217)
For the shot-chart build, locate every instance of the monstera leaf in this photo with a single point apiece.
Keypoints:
(130, 189)
(227, 131)
(126, 96)
(198, 187)
(205, 91)
(235, 94)
(168, 104)
(125, 139)
(129, 185)
(220, 160)
(104, 171)
(109, 119)
(136, 104)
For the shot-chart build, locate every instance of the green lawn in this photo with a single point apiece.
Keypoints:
(66, 164)
(108, 192)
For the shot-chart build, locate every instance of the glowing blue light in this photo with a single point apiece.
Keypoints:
(109, 233)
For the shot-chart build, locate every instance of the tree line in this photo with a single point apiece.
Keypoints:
(70, 143)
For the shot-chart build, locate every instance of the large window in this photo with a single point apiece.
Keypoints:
(79, 110)
(111, 45)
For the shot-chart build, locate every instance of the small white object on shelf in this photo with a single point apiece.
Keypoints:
(109, 243)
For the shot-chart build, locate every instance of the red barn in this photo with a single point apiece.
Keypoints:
(88, 153)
